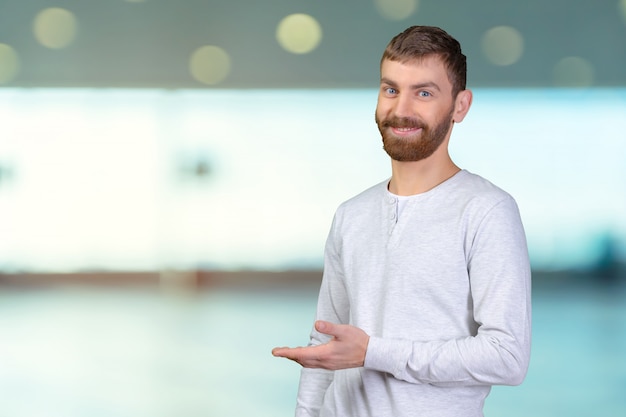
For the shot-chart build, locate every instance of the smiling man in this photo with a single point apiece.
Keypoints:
(425, 298)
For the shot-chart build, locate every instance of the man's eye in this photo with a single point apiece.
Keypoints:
(390, 90)
(424, 94)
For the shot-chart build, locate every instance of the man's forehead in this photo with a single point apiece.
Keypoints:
(429, 68)
(424, 60)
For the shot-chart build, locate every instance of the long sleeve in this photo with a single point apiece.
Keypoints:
(499, 352)
(313, 386)
(332, 306)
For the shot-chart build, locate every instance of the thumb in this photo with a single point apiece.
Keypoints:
(326, 327)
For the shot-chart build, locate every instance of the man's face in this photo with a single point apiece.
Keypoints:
(415, 108)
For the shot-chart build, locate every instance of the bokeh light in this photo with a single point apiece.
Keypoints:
(55, 27)
(299, 33)
(209, 64)
(573, 71)
(396, 9)
(503, 45)
(9, 63)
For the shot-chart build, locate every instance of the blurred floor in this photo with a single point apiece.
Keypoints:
(85, 351)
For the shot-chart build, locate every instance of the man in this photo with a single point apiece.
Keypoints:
(425, 297)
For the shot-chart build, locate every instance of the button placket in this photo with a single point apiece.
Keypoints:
(392, 212)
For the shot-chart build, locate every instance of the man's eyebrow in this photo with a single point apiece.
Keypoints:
(427, 84)
(388, 82)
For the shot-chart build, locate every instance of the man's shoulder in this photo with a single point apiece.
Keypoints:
(480, 190)
(371, 195)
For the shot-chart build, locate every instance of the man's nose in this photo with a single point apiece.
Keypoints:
(404, 106)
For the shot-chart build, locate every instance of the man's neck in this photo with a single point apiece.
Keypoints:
(416, 177)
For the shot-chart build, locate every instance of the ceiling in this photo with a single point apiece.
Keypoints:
(148, 44)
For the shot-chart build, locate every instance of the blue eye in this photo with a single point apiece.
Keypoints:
(390, 90)
(424, 94)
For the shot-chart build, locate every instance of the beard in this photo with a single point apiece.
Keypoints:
(413, 148)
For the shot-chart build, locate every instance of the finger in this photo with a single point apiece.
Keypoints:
(325, 327)
(281, 351)
(289, 353)
(306, 356)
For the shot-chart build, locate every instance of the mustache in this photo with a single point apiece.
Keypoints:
(403, 122)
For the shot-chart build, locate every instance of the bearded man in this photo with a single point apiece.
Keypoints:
(425, 297)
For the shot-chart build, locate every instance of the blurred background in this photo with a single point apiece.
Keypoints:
(169, 172)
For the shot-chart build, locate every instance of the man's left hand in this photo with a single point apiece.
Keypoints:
(345, 350)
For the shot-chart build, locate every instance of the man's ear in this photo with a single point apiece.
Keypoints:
(462, 105)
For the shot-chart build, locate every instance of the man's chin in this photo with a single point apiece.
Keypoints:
(401, 155)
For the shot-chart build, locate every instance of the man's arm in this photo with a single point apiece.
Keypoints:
(500, 281)
(333, 306)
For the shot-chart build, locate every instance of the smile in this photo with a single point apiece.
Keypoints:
(405, 130)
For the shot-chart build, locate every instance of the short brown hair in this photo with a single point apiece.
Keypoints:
(418, 42)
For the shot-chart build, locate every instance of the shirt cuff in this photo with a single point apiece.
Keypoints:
(387, 355)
